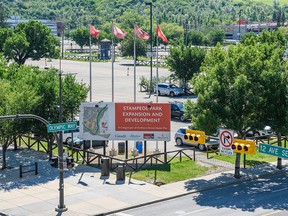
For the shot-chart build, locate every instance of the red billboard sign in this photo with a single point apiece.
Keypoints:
(142, 117)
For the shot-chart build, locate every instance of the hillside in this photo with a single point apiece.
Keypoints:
(193, 13)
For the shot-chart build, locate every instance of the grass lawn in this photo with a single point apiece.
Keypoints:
(175, 171)
(251, 160)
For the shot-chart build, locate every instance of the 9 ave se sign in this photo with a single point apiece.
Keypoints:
(273, 150)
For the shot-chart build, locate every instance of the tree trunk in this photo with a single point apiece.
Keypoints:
(15, 143)
(279, 160)
(4, 150)
(237, 166)
(50, 142)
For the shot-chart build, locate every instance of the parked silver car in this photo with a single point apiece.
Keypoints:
(180, 140)
(169, 89)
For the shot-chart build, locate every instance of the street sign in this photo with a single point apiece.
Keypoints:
(62, 126)
(226, 140)
(273, 150)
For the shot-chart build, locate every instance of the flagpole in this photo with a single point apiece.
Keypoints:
(113, 58)
(90, 80)
(90, 58)
(113, 151)
(135, 151)
(134, 66)
(157, 77)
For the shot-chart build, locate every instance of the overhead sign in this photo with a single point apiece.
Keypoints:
(62, 126)
(125, 121)
(273, 150)
(226, 140)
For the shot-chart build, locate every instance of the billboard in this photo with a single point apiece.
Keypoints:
(125, 121)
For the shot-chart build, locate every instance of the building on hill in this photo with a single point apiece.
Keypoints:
(56, 27)
(234, 32)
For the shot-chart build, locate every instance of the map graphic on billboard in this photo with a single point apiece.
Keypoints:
(96, 121)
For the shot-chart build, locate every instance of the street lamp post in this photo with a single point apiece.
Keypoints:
(150, 4)
(61, 207)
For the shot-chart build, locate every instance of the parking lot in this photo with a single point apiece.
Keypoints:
(123, 87)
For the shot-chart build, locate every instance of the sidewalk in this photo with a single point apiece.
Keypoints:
(86, 193)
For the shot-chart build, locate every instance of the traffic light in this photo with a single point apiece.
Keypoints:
(244, 146)
(195, 136)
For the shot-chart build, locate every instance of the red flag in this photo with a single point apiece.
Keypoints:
(93, 32)
(140, 33)
(160, 34)
(118, 32)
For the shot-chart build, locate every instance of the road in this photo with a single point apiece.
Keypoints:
(123, 86)
(102, 79)
(266, 196)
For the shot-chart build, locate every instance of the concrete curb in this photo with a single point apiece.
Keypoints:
(233, 181)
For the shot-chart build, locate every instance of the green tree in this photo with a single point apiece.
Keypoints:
(73, 94)
(129, 19)
(31, 40)
(216, 36)
(26, 89)
(4, 34)
(185, 62)
(127, 46)
(247, 36)
(196, 38)
(17, 97)
(3, 15)
(81, 36)
(240, 88)
(173, 32)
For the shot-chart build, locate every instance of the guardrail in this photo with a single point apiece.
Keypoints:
(135, 163)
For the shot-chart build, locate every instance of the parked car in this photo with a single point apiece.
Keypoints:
(85, 144)
(180, 140)
(266, 131)
(178, 110)
(168, 89)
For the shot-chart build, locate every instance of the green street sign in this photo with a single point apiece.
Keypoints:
(62, 126)
(273, 150)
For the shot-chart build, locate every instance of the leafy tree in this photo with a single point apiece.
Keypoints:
(242, 87)
(4, 34)
(31, 40)
(129, 19)
(127, 46)
(73, 94)
(173, 32)
(196, 38)
(185, 62)
(16, 97)
(3, 15)
(81, 36)
(247, 36)
(26, 89)
(216, 36)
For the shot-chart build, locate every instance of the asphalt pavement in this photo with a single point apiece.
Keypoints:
(86, 192)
